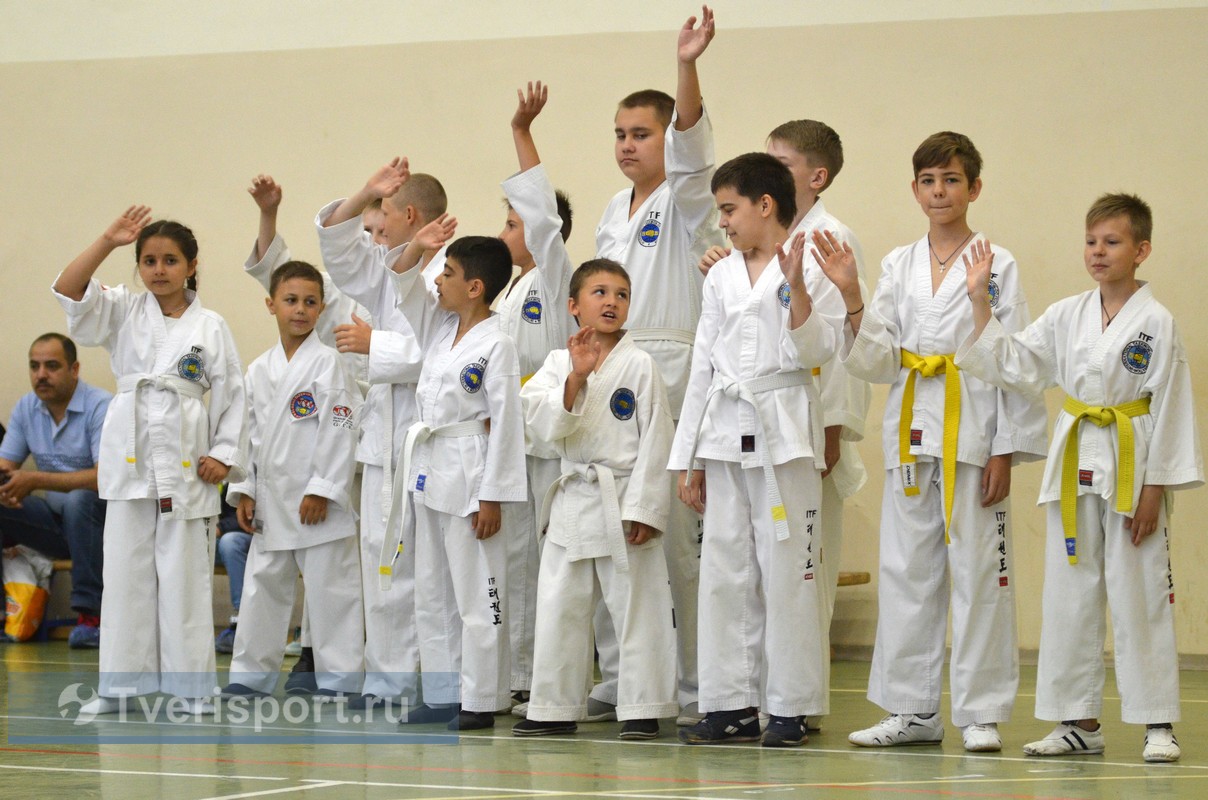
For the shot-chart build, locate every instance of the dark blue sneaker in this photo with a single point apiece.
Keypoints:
(225, 641)
(785, 732)
(723, 726)
(241, 690)
(301, 678)
(86, 634)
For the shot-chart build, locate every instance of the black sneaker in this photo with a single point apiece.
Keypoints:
(785, 732)
(472, 721)
(723, 726)
(240, 690)
(532, 727)
(639, 729)
(426, 715)
(301, 678)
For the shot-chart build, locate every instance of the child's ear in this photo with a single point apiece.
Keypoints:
(476, 288)
(818, 178)
(268, 303)
(975, 189)
(767, 206)
(1143, 251)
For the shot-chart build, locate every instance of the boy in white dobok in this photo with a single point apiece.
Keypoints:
(460, 461)
(1116, 353)
(949, 441)
(751, 417)
(357, 263)
(602, 405)
(296, 499)
(532, 311)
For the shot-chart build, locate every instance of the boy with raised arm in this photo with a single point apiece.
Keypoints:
(949, 441)
(750, 419)
(1116, 353)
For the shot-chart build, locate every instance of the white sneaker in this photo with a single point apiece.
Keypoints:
(599, 711)
(1160, 746)
(101, 705)
(898, 729)
(813, 724)
(689, 715)
(199, 706)
(1067, 740)
(520, 710)
(982, 738)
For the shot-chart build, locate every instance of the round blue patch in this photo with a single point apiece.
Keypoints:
(649, 235)
(191, 367)
(994, 293)
(471, 378)
(302, 405)
(1136, 356)
(623, 403)
(784, 294)
(532, 311)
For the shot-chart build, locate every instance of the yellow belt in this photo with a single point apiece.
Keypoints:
(1102, 416)
(929, 367)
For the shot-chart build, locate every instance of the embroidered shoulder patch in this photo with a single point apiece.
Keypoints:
(302, 405)
(471, 377)
(191, 367)
(649, 235)
(1136, 356)
(623, 403)
(532, 310)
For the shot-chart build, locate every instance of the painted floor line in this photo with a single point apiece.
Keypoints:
(304, 788)
(147, 773)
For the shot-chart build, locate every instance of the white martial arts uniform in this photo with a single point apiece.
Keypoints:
(613, 446)
(358, 267)
(845, 401)
(660, 245)
(303, 435)
(751, 410)
(157, 619)
(461, 581)
(908, 657)
(533, 312)
(1139, 355)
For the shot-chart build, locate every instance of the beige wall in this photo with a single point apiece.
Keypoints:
(1063, 107)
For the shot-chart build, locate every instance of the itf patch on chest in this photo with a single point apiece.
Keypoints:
(623, 403)
(1136, 355)
(784, 294)
(302, 405)
(471, 377)
(532, 310)
(191, 367)
(649, 235)
(994, 292)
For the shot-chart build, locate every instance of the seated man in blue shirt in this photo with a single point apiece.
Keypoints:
(59, 424)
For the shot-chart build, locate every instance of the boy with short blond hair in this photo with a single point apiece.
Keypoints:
(296, 499)
(949, 441)
(750, 418)
(1117, 354)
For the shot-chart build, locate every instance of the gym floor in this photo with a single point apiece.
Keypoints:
(44, 753)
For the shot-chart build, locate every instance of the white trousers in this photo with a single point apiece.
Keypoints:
(682, 549)
(763, 638)
(157, 615)
(329, 575)
(1136, 585)
(916, 569)
(391, 643)
(639, 604)
(524, 554)
(461, 612)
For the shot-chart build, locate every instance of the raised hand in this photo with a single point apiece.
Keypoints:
(530, 105)
(693, 40)
(434, 235)
(266, 192)
(838, 263)
(977, 270)
(791, 262)
(584, 352)
(389, 179)
(353, 337)
(712, 256)
(125, 229)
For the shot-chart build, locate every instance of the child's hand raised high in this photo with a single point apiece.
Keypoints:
(712, 256)
(584, 352)
(434, 235)
(693, 40)
(266, 192)
(838, 263)
(977, 271)
(530, 105)
(791, 261)
(125, 229)
(389, 179)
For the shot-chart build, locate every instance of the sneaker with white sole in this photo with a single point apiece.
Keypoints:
(900, 729)
(1161, 746)
(520, 710)
(1067, 740)
(982, 737)
(599, 711)
(689, 715)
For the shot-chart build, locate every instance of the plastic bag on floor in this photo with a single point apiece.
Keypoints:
(26, 590)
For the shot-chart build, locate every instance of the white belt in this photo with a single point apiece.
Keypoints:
(614, 528)
(417, 434)
(746, 391)
(662, 335)
(170, 383)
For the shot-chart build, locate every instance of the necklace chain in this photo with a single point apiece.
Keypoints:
(178, 308)
(944, 261)
(1110, 317)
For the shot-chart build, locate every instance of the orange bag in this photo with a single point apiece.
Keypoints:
(26, 590)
